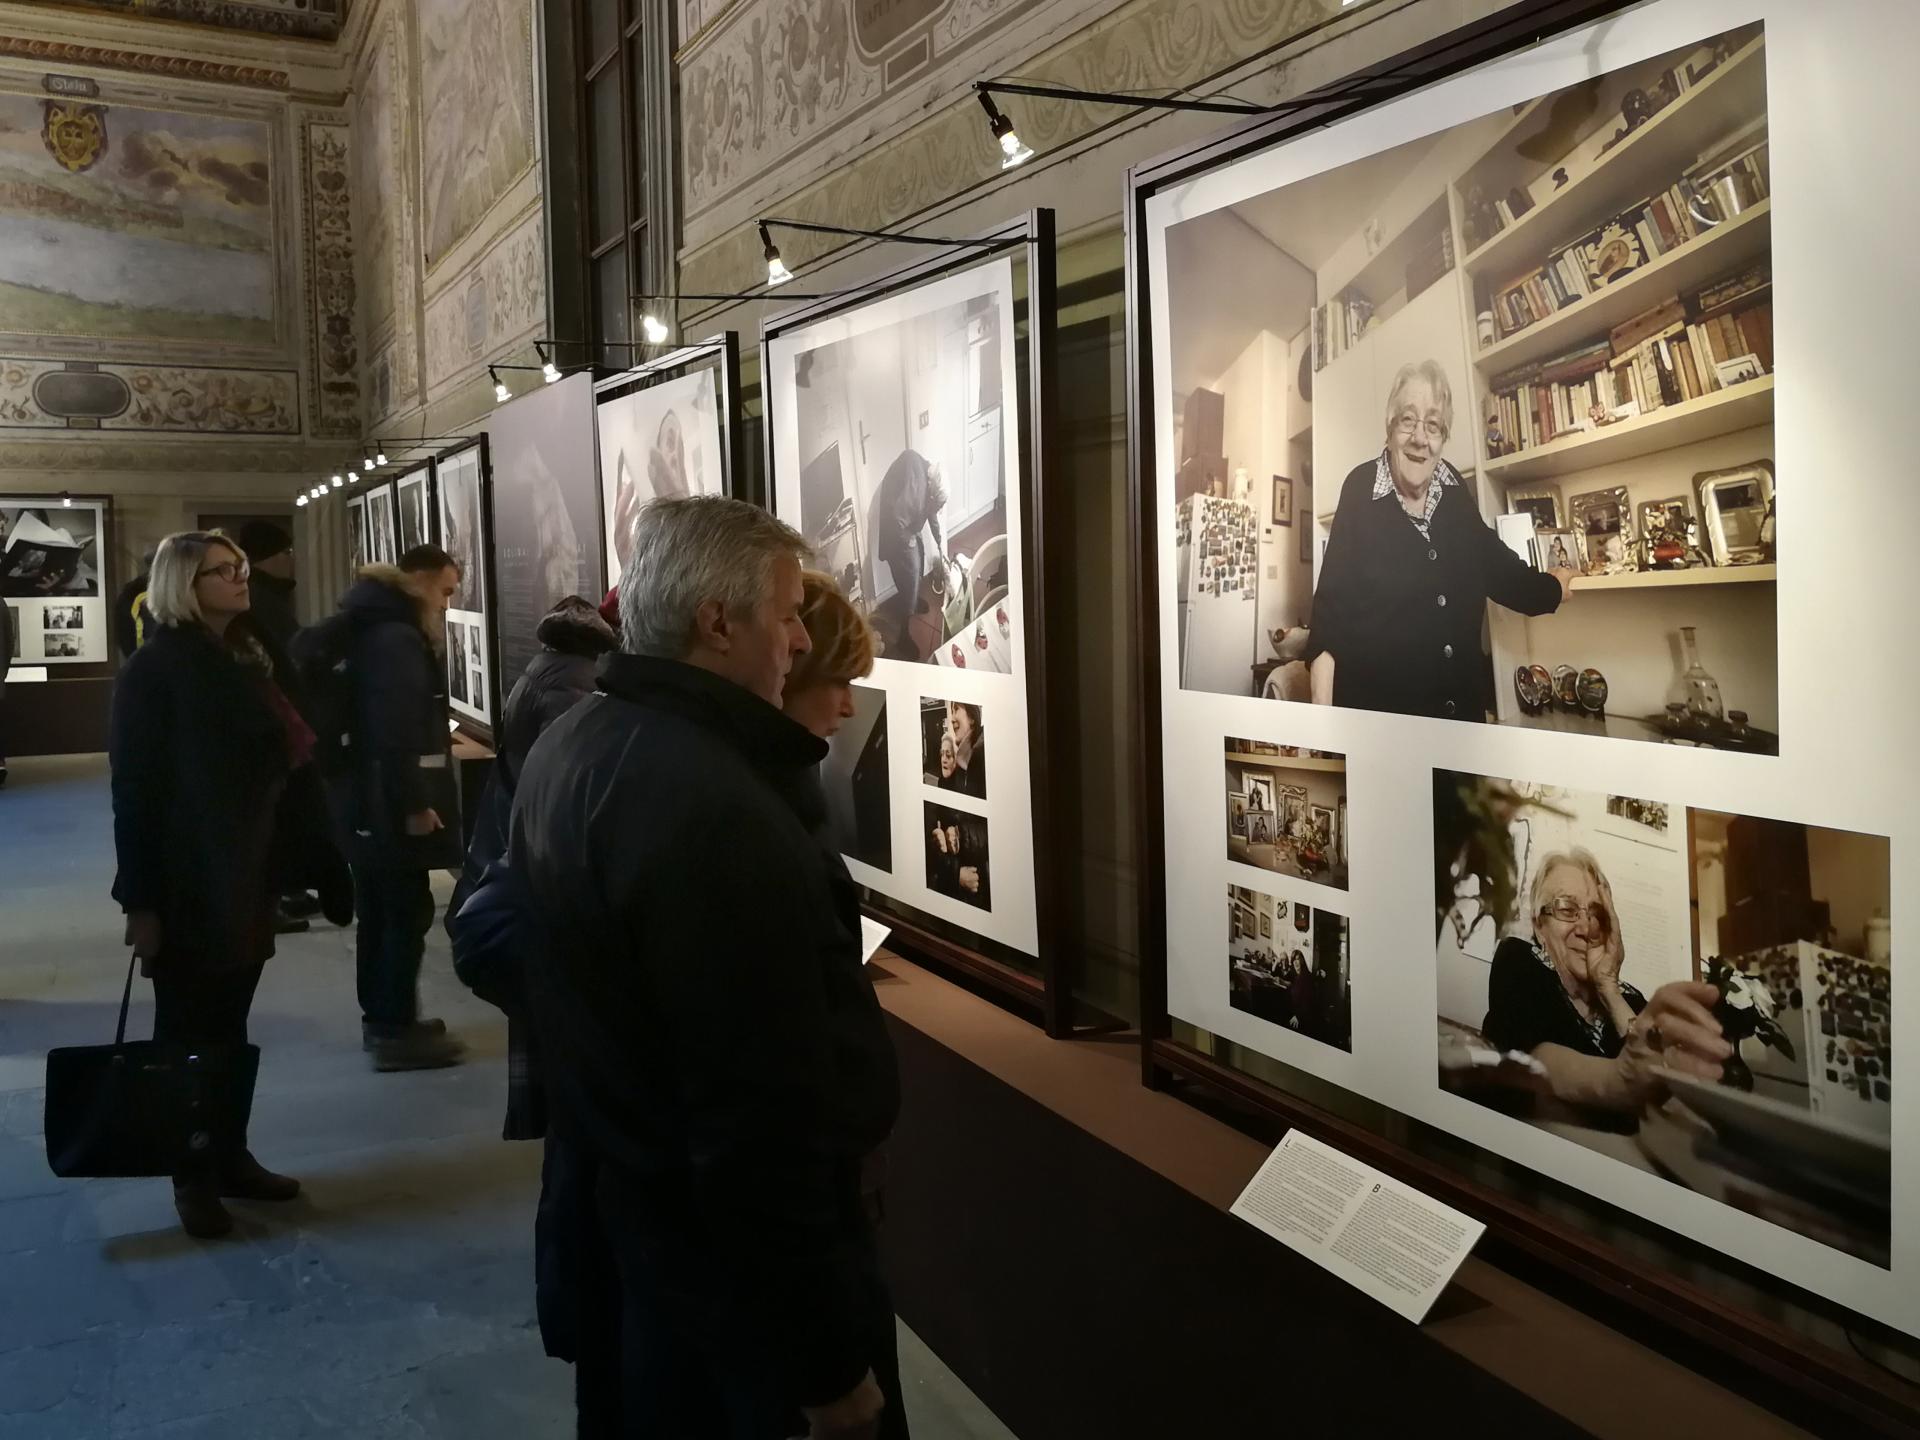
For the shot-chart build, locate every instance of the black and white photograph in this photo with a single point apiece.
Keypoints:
(953, 746)
(62, 645)
(459, 683)
(357, 551)
(546, 511)
(957, 865)
(1283, 812)
(458, 481)
(1291, 966)
(657, 442)
(1711, 1005)
(416, 527)
(64, 617)
(903, 484)
(380, 530)
(13, 632)
(1551, 310)
(858, 784)
(49, 550)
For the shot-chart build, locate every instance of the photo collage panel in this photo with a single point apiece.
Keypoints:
(457, 480)
(51, 575)
(953, 760)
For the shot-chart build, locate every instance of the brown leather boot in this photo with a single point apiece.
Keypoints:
(201, 1214)
(245, 1178)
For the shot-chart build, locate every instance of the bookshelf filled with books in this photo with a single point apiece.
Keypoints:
(1616, 271)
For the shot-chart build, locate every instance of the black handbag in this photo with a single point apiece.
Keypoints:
(145, 1108)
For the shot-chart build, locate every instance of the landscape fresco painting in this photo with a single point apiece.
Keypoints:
(118, 222)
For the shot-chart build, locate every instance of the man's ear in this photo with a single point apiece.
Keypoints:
(710, 627)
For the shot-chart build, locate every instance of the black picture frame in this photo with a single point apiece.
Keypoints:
(721, 353)
(496, 691)
(1677, 1306)
(921, 937)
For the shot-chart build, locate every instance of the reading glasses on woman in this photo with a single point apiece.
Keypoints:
(234, 572)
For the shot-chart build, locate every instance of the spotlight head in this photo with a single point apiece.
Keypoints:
(501, 394)
(381, 458)
(66, 500)
(654, 329)
(338, 481)
(1013, 150)
(777, 271)
(550, 372)
(366, 463)
(302, 499)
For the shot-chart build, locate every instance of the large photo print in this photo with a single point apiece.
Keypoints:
(657, 443)
(1480, 427)
(1702, 996)
(463, 536)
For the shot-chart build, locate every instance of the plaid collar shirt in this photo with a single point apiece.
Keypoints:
(1443, 474)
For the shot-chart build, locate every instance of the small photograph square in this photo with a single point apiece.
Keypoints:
(957, 861)
(953, 746)
(1295, 975)
(1287, 812)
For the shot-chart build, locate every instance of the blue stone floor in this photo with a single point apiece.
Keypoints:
(394, 1299)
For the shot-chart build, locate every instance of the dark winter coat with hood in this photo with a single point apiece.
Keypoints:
(402, 761)
(712, 1044)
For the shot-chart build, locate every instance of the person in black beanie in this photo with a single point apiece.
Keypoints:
(270, 552)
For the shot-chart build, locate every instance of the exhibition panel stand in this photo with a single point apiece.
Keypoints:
(1485, 829)
(908, 425)
(57, 584)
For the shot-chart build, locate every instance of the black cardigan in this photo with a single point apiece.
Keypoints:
(1401, 615)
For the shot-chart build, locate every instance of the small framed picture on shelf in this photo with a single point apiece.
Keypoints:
(1664, 541)
(1542, 505)
(1237, 815)
(1604, 521)
(1738, 370)
(1557, 550)
(1736, 511)
(1282, 500)
(1260, 827)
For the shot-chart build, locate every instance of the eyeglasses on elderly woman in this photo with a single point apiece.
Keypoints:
(1406, 422)
(1569, 911)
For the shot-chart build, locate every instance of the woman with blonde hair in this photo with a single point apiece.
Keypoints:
(819, 693)
(202, 743)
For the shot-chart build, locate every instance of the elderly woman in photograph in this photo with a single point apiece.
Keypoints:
(1409, 567)
(1560, 998)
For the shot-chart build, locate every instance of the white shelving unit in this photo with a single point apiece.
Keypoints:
(1680, 579)
(1739, 407)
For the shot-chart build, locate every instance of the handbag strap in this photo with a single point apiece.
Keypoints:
(126, 999)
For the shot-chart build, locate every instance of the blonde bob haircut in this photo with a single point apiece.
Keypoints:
(841, 638)
(176, 567)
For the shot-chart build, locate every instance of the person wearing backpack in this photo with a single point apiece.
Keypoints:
(375, 680)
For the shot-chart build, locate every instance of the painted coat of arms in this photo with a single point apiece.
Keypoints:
(76, 134)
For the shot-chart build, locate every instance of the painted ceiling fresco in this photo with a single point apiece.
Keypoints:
(305, 19)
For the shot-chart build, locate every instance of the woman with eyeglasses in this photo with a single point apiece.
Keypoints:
(1560, 997)
(201, 745)
(1408, 570)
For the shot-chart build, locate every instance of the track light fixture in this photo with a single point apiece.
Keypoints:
(302, 498)
(654, 328)
(366, 463)
(501, 394)
(777, 271)
(1013, 150)
(338, 481)
(380, 458)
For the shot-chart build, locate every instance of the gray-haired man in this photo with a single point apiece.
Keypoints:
(718, 1062)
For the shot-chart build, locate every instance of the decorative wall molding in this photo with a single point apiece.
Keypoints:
(502, 301)
(333, 356)
(204, 400)
(300, 19)
(145, 62)
(201, 458)
(1151, 44)
(772, 77)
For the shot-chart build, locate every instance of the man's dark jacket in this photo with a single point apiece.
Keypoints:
(401, 757)
(709, 1035)
(273, 607)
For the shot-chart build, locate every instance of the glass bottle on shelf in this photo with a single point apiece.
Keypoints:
(1694, 687)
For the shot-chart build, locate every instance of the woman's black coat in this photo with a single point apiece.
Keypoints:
(1401, 614)
(200, 762)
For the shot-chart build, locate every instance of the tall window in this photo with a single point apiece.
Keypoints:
(610, 94)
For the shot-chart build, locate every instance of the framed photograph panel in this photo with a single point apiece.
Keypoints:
(460, 480)
(53, 575)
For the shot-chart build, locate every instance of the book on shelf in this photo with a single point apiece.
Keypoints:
(1685, 348)
(1432, 260)
(1644, 232)
(1338, 325)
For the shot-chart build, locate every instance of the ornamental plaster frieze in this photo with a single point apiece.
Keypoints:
(499, 305)
(1152, 45)
(122, 458)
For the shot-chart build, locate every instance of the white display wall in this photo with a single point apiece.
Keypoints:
(1809, 1174)
(862, 403)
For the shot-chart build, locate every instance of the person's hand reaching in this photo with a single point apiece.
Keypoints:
(1676, 1030)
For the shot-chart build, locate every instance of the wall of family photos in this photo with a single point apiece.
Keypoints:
(1487, 744)
(895, 449)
